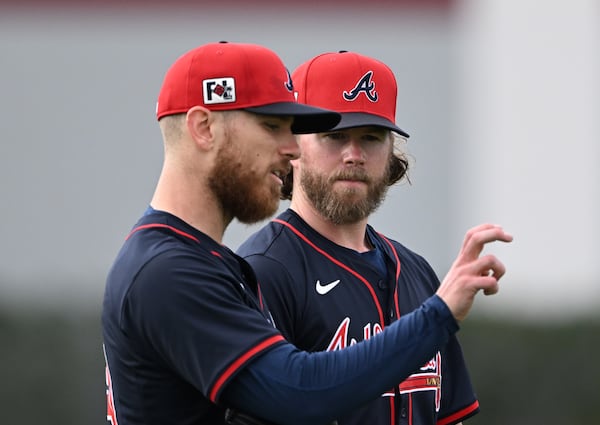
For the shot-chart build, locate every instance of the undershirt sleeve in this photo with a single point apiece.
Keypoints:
(285, 385)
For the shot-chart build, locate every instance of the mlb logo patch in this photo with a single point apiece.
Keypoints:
(218, 90)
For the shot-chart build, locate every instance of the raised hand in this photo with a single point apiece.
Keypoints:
(471, 273)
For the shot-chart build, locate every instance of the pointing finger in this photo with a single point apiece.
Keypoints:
(477, 237)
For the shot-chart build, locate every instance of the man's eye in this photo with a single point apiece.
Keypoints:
(335, 136)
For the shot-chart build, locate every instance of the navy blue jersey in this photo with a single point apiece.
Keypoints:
(164, 364)
(327, 297)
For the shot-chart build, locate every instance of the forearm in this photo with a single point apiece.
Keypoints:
(288, 386)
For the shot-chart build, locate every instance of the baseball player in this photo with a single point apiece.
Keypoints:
(330, 279)
(188, 337)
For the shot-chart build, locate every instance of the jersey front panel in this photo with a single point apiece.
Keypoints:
(181, 317)
(327, 297)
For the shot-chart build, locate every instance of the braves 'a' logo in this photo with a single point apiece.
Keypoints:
(365, 85)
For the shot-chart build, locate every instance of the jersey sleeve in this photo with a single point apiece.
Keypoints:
(297, 387)
(194, 315)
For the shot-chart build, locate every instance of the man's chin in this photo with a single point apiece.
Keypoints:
(350, 197)
(259, 211)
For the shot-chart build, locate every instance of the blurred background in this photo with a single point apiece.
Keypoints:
(502, 102)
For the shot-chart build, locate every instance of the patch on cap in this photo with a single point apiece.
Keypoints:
(218, 90)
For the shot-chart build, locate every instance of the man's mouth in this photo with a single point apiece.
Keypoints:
(280, 174)
(352, 176)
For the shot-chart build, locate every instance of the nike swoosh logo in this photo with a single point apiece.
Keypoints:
(323, 289)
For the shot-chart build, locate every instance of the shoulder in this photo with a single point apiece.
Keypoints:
(275, 252)
(163, 243)
(261, 241)
(276, 239)
(405, 255)
(402, 250)
(160, 248)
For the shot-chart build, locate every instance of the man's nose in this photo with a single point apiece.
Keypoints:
(289, 148)
(353, 152)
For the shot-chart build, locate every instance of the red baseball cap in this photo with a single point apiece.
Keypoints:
(225, 76)
(361, 88)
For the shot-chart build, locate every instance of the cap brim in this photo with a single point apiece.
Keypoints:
(307, 119)
(359, 119)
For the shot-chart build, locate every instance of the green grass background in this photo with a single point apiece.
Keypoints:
(52, 370)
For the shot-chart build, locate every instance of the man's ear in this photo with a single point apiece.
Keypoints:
(199, 122)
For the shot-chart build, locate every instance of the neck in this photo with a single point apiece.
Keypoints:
(351, 235)
(183, 196)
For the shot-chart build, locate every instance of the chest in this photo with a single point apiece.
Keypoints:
(345, 300)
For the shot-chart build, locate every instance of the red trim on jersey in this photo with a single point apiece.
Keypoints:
(459, 415)
(392, 410)
(164, 226)
(259, 296)
(398, 267)
(240, 362)
(338, 263)
(111, 413)
(410, 409)
(420, 382)
(395, 255)
(397, 308)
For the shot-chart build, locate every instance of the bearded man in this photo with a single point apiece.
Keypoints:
(329, 278)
